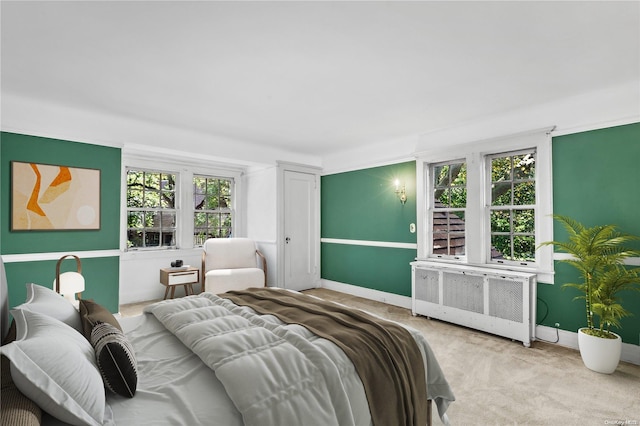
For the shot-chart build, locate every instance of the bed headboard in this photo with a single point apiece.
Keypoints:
(4, 296)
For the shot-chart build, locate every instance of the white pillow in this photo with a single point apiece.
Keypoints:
(55, 367)
(46, 301)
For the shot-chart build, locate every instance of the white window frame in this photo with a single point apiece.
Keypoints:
(477, 221)
(231, 210)
(176, 209)
(489, 207)
(431, 209)
(185, 168)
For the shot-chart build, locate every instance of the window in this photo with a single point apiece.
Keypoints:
(448, 209)
(488, 203)
(512, 192)
(212, 216)
(151, 209)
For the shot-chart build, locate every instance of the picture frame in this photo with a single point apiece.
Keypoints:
(46, 197)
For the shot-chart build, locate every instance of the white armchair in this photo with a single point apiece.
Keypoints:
(232, 264)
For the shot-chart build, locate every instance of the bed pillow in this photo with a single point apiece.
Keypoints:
(92, 313)
(54, 366)
(46, 301)
(116, 359)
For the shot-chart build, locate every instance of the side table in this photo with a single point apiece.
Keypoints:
(172, 277)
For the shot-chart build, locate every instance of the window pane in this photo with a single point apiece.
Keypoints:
(167, 220)
(449, 191)
(212, 203)
(458, 197)
(151, 239)
(199, 185)
(151, 199)
(135, 238)
(168, 182)
(524, 193)
(456, 244)
(152, 181)
(442, 196)
(524, 166)
(148, 219)
(500, 247)
(500, 221)
(448, 233)
(213, 197)
(225, 201)
(134, 197)
(135, 219)
(501, 169)
(524, 248)
(440, 176)
(524, 221)
(501, 194)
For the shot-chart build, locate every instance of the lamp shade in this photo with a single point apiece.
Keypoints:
(69, 283)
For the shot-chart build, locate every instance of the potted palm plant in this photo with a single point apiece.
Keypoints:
(598, 253)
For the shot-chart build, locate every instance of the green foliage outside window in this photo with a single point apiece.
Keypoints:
(512, 211)
(213, 208)
(151, 209)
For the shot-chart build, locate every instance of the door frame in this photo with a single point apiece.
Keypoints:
(282, 167)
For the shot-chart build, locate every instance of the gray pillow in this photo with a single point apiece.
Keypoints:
(46, 301)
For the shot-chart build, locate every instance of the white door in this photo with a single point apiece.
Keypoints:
(300, 230)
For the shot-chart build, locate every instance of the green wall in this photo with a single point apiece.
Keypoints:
(596, 180)
(362, 205)
(101, 274)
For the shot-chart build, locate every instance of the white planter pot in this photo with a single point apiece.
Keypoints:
(599, 354)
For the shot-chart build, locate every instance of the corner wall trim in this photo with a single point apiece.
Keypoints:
(388, 244)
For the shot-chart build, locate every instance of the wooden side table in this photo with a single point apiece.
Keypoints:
(172, 277)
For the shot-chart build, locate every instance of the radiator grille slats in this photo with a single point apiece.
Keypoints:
(505, 299)
(463, 291)
(497, 301)
(427, 287)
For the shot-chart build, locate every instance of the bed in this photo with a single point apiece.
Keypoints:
(207, 359)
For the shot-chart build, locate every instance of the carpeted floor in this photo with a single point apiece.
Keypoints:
(500, 382)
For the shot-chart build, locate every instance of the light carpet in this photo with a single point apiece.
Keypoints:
(498, 381)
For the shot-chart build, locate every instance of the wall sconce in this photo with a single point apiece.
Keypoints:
(400, 192)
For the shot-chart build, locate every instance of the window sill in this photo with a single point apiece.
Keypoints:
(545, 277)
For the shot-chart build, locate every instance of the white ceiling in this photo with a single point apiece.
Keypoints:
(315, 77)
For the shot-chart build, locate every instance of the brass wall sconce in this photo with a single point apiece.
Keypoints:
(400, 192)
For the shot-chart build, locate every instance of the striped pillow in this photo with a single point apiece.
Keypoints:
(115, 358)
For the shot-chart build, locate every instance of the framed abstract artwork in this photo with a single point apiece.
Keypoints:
(50, 197)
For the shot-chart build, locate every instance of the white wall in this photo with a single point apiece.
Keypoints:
(261, 214)
(609, 107)
(139, 271)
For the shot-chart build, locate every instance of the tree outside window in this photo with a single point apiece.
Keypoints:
(213, 210)
(512, 208)
(449, 209)
(151, 209)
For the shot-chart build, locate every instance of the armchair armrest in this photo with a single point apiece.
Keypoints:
(264, 265)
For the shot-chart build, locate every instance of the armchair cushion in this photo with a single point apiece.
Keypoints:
(232, 264)
(230, 253)
(223, 280)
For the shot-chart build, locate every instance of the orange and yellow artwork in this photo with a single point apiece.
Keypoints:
(48, 197)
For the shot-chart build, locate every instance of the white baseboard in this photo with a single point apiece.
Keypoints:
(367, 293)
(569, 339)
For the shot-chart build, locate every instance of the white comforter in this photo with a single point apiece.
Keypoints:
(280, 374)
(273, 373)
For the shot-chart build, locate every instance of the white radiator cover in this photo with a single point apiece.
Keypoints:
(488, 299)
